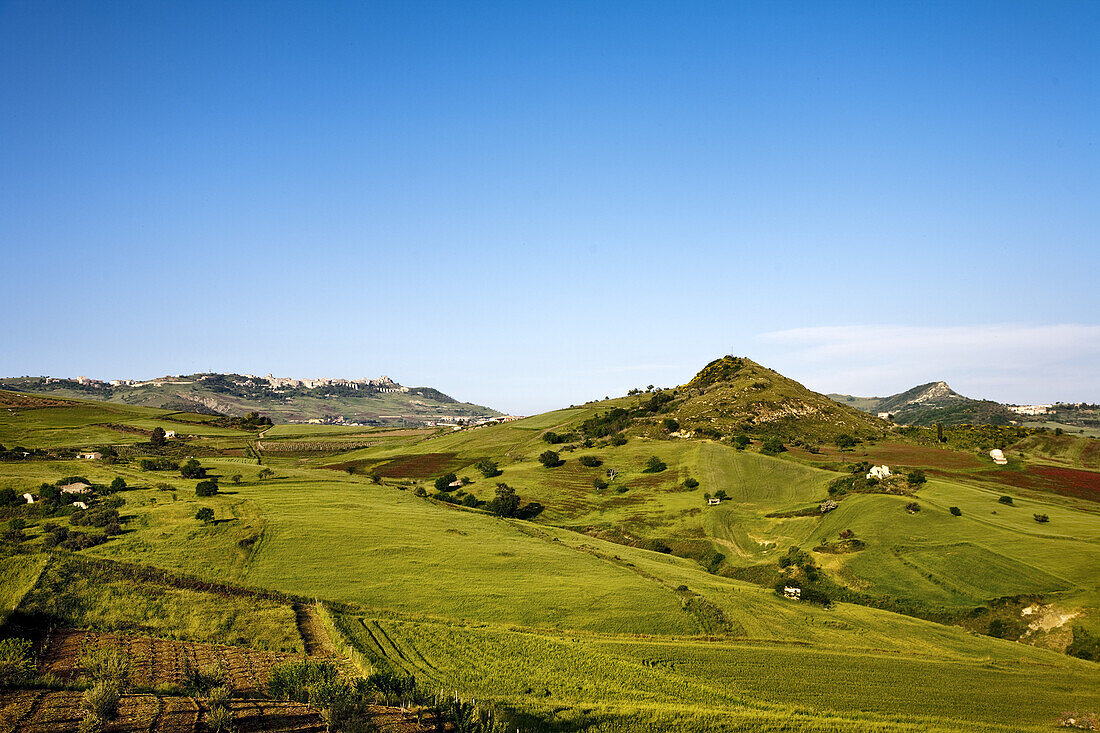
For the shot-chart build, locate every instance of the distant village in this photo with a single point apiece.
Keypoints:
(381, 384)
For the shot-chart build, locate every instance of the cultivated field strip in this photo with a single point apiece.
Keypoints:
(161, 661)
(41, 711)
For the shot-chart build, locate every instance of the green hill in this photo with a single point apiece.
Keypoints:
(369, 402)
(630, 606)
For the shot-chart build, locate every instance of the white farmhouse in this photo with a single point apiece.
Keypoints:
(92, 456)
(886, 415)
(169, 433)
(790, 591)
(80, 505)
(78, 488)
(29, 498)
(998, 456)
(879, 472)
(713, 501)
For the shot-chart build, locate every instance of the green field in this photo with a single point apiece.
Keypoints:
(568, 620)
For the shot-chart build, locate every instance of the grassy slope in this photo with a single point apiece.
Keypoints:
(411, 561)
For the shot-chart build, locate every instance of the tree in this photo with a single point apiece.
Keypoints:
(690, 483)
(506, 503)
(8, 497)
(1006, 500)
(158, 437)
(350, 469)
(192, 469)
(721, 495)
(488, 468)
(236, 478)
(265, 473)
(845, 441)
(599, 484)
(1041, 518)
(205, 515)
(670, 424)
(617, 439)
(590, 461)
(550, 459)
(955, 511)
(741, 442)
(916, 478)
(939, 433)
(206, 488)
(913, 507)
(443, 483)
(655, 465)
(119, 484)
(773, 446)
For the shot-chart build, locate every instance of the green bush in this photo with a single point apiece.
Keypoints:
(206, 488)
(590, 461)
(600, 484)
(488, 468)
(443, 483)
(955, 511)
(206, 515)
(773, 446)
(690, 483)
(16, 665)
(655, 465)
(1006, 500)
(101, 700)
(192, 469)
(617, 439)
(550, 459)
(1042, 518)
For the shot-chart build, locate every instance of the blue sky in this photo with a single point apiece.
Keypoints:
(534, 204)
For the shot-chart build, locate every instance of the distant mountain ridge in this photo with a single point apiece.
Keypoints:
(930, 403)
(379, 401)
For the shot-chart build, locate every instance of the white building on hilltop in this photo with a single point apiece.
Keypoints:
(879, 472)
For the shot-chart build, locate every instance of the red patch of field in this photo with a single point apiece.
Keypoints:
(418, 466)
(1065, 481)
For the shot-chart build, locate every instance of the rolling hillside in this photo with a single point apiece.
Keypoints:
(928, 404)
(373, 402)
(616, 598)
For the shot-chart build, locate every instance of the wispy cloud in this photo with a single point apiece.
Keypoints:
(1009, 362)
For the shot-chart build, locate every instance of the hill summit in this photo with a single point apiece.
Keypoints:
(734, 394)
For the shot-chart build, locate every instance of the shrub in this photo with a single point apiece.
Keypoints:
(101, 700)
(157, 464)
(192, 469)
(916, 478)
(236, 478)
(1006, 500)
(617, 439)
(690, 483)
(107, 665)
(488, 468)
(220, 719)
(773, 446)
(219, 696)
(294, 681)
(721, 495)
(119, 484)
(845, 441)
(1041, 518)
(955, 511)
(15, 661)
(265, 473)
(91, 723)
(913, 507)
(204, 679)
(206, 488)
(443, 483)
(670, 424)
(470, 500)
(741, 442)
(600, 484)
(550, 459)
(590, 461)
(8, 497)
(654, 465)
(206, 515)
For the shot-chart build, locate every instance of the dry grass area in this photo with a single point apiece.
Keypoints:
(30, 402)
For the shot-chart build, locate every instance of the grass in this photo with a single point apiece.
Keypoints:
(18, 574)
(70, 592)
